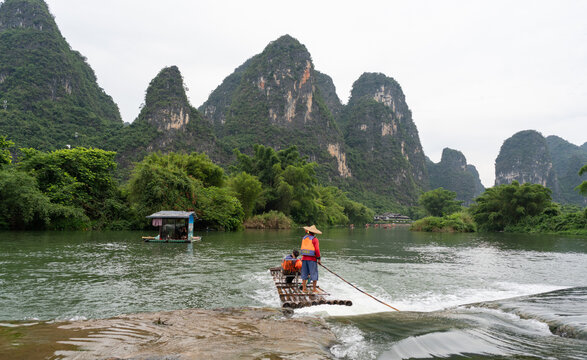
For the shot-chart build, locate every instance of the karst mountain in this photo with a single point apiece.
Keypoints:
(370, 147)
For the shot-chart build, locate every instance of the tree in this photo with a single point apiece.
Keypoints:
(440, 202)
(508, 204)
(296, 194)
(582, 188)
(5, 157)
(25, 207)
(78, 177)
(196, 165)
(337, 209)
(330, 211)
(218, 209)
(290, 186)
(154, 187)
(261, 164)
(248, 190)
(178, 182)
(288, 180)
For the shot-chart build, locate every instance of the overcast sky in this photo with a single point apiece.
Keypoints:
(473, 72)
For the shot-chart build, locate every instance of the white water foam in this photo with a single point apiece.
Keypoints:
(265, 292)
(352, 344)
(362, 304)
(423, 302)
(529, 326)
(440, 345)
(17, 325)
(432, 301)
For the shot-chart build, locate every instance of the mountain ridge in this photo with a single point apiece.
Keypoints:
(369, 147)
(49, 93)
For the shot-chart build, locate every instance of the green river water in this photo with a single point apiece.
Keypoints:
(460, 295)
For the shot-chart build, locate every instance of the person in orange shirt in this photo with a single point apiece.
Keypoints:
(291, 266)
(310, 250)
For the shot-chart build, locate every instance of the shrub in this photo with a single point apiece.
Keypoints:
(270, 220)
(457, 222)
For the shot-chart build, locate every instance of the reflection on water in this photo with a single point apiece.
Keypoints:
(430, 277)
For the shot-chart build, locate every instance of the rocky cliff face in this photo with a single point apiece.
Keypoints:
(166, 104)
(49, 94)
(167, 122)
(386, 154)
(26, 14)
(525, 158)
(273, 99)
(454, 174)
(327, 89)
(278, 99)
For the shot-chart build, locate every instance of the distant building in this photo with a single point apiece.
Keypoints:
(391, 217)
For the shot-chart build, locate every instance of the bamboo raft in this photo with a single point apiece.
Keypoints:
(291, 294)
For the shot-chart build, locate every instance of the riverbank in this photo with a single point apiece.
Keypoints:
(562, 224)
(249, 333)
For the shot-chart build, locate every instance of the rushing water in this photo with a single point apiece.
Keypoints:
(460, 295)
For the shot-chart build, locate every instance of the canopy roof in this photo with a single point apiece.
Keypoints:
(168, 214)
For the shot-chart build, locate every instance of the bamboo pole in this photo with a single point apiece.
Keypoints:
(371, 296)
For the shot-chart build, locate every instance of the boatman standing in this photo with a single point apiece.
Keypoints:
(310, 251)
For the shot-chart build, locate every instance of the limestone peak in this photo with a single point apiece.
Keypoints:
(453, 159)
(26, 14)
(166, 102)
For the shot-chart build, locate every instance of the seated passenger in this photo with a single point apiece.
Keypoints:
(291, 266)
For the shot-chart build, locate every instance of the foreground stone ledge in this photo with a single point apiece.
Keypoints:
(233, 333)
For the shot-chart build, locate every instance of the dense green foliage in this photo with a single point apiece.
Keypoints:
(440, 202)
(78, 177)
(184, 182)
(456, 222)
(24, 206)
(75, 189)
(582, 188)
(5, 156)
(566, 159)
(269, 220)
(290, 186)
(514, 208)
(63, 189)
(506, 205)
(248, 190)
(569, 223)
(49, 96)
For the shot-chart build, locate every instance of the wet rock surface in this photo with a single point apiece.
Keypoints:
(243, 333)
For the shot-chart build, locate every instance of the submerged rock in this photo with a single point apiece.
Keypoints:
(244, 333)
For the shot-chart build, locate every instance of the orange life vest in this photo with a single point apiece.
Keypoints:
(307, 247)
(291, 266)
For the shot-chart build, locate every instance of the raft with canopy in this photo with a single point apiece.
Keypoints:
(174, 227)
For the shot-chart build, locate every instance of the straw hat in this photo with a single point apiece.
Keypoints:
(312, 229)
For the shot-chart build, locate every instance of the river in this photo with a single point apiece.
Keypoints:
(460, 295)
